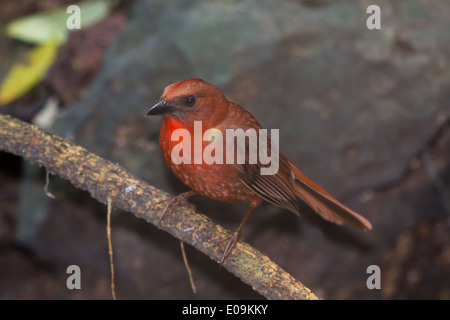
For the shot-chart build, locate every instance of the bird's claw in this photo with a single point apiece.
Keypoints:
(174, 202)
(232, 240)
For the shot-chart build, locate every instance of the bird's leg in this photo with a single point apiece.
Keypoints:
(234, 237)
(175, 201)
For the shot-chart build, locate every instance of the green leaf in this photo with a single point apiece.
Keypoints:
(40, 27)
(23, 76)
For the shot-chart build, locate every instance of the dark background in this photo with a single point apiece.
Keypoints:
(364, 113)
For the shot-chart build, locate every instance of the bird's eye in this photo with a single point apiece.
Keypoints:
(190, 101)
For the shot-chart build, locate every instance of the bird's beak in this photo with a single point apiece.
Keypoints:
(161, 108)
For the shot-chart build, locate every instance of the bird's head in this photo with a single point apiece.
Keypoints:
(191, 100)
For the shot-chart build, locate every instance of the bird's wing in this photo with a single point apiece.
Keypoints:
(277, 188)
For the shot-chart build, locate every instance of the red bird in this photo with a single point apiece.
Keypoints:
(185, 102)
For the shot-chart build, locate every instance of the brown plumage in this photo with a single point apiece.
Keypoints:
(185, 102)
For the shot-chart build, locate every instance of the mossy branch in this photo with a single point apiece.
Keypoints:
(103, 179)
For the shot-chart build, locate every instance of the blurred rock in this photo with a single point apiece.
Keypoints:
(80, 59)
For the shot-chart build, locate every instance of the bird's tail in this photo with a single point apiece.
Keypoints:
(324, 204)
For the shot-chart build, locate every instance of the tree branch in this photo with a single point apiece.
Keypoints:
(102, 178)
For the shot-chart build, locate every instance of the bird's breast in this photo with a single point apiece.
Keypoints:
(187, 156)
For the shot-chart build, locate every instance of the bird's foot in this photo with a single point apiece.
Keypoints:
(232, 239)
(174, 202)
